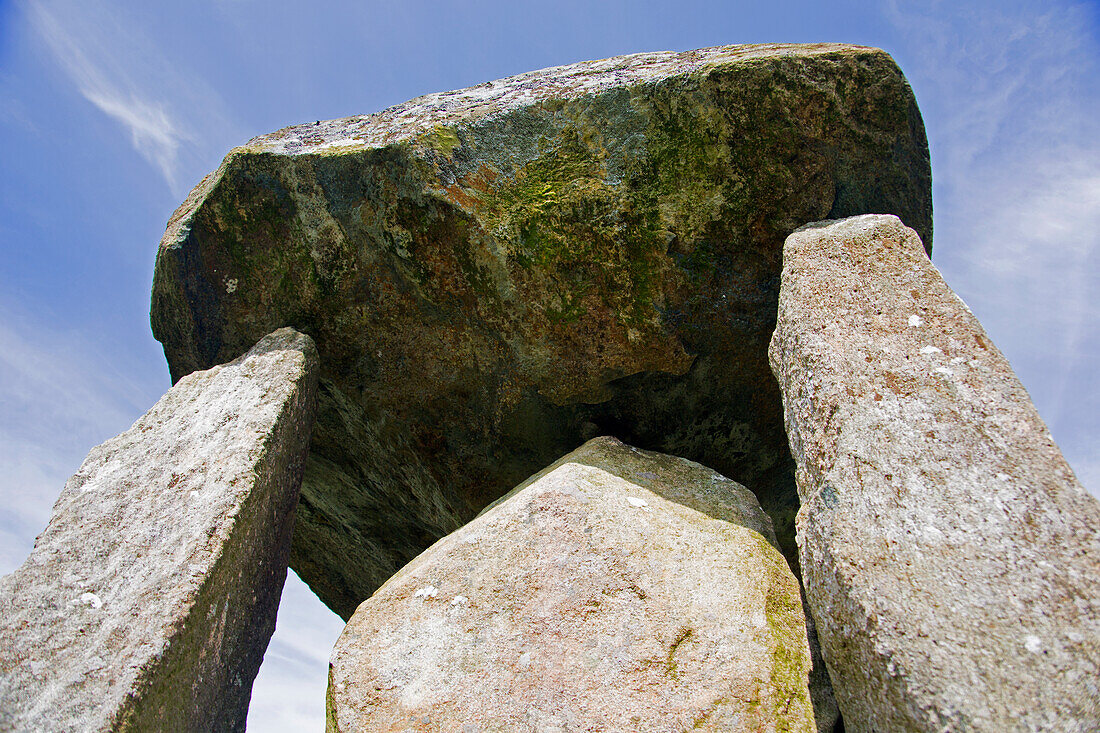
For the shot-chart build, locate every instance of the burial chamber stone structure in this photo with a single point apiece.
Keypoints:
(467, 287)
(494, 275)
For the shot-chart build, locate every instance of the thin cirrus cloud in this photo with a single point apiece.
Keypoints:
(154, 133)
(1009, 94)
(121, 73)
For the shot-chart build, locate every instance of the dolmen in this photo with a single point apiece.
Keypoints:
(619, 396)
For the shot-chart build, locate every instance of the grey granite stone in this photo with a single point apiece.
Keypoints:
(950, 557)
(617, 590)
(149, 599)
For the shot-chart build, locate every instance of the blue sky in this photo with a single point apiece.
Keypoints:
(111, 111)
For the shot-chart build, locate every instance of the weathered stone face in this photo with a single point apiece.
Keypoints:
(950, 557)
(494, 275)
(617, 590)
(150, 597)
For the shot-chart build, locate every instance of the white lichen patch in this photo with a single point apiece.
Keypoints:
(231, 285)
(489, 99)
(460, 601)
(428, 591)
(636, 502)
(933, 535)
(345, 143)
(89, 599)
(915, 320)
(929, 350)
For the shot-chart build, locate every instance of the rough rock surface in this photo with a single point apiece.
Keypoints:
(149, 599)
(616, 590)
(951, 558)
(496, 274)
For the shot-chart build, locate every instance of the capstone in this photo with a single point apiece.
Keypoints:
(496, 274)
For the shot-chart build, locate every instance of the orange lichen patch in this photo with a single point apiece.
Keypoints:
(458, 195)
(898, 384)
(468, 191)
(482, 178)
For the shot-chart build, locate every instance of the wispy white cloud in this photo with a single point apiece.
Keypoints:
(174, 120)
(996, 79)
(154, 133)
(1009, 93)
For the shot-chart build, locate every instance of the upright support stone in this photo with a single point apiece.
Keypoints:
(951, 558)
(617, 590)
(148, 601)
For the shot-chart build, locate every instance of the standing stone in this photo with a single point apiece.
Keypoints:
(148, 601)
(496, 274)
(950, 556)
(617, 590)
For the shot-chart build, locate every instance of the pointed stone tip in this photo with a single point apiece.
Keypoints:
(284, 339)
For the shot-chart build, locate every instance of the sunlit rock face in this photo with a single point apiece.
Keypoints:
(494, 275)
(616, 590)
(148, 601)
(950, 557)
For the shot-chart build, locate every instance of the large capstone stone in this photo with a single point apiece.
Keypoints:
(148, 601)
(617, 590)
(495, 275)
(950, 556)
